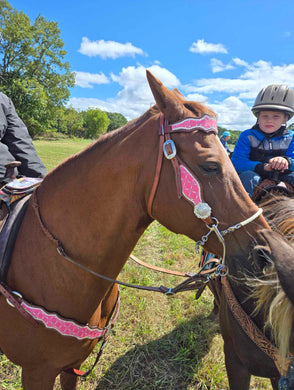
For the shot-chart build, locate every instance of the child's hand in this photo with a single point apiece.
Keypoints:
(278, 164)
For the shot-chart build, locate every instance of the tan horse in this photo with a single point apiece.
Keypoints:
(96, 205)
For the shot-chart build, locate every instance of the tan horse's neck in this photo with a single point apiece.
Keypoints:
(87, 202)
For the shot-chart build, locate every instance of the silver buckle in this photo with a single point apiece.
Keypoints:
(172, 145)
(15, 293)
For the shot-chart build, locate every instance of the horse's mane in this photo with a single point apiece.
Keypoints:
(279, 212)
(106, 138)
(129, 127)
(271, 299)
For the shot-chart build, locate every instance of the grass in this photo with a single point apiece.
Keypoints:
(158, 342)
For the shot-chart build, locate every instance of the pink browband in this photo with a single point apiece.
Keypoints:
(206, 123)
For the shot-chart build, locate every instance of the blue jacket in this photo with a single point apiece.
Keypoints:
(225, 145)
(254, 147)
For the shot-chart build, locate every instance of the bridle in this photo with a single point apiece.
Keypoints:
(188, 186)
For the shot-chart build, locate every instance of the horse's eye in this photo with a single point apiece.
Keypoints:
(210, 168)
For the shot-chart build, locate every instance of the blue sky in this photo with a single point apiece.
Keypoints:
(217, 52)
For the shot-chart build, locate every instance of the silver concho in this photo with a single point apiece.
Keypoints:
(202, 210)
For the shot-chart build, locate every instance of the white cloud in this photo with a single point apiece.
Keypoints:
(86, 79)
(239, 62)
(136, 91)
(233, 114)
(219, 66)
(135, 96)
(203, 47)
(108, 49)
(248, 84)
(196, 97)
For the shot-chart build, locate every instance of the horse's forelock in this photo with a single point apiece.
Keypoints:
(198, 108)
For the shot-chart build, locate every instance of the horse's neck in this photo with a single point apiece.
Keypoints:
(95, 203)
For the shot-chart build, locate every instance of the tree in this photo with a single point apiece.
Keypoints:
(70, 122)
(32, 67)
(116, 120)
(95, 122)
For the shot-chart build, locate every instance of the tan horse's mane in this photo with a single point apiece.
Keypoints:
(271, 299)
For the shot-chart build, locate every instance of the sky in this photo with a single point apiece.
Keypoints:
(220, 53)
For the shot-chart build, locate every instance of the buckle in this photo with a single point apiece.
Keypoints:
(172, 152)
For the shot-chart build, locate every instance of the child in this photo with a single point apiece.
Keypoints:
(268, 146)
(224, 140)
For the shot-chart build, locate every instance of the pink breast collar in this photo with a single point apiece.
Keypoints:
(65, 327)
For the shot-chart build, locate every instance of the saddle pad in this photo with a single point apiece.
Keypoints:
(21, 185)
(9, 232)
(18, 188)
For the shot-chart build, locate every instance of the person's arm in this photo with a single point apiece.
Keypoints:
(290, 154)
(227, 148)
(241, 154)
(19, 142)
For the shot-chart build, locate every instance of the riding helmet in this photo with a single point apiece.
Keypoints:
(276, 97)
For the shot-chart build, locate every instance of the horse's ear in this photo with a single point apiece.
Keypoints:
(282, 254)
(168, 103)
(179, 94)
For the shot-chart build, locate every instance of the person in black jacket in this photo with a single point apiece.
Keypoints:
(16, 143)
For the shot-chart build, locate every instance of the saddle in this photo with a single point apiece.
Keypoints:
(14, 199)
(267, 186)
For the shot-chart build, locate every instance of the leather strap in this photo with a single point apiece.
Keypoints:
(252, 331)
(15, 301)
(157, 174)
(159, 269)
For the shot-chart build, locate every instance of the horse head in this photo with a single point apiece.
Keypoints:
(200, 153)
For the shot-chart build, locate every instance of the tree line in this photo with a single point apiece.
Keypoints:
(88, 124)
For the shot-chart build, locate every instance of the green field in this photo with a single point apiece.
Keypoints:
(158, 342)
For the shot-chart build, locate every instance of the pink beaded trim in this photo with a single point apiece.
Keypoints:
(190, 186)
(206, 123)
(62, 326)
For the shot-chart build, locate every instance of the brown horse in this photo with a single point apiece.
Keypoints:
(96, 205)
(263, 286)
